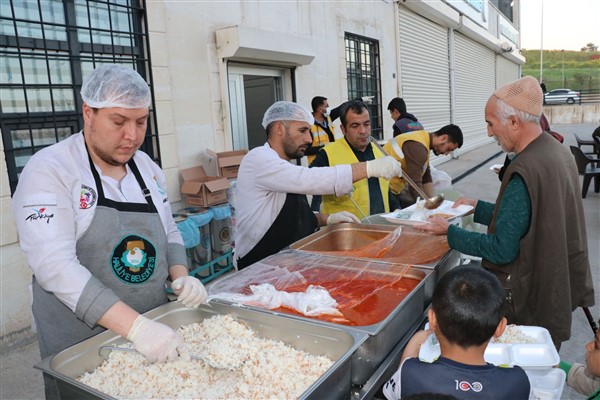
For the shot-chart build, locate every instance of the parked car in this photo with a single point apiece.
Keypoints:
(560, 96)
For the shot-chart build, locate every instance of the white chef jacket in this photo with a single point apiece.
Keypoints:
(263, 182)
(54, 205)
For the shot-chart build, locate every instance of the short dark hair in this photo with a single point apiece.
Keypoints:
(454, 133)
(398, 104)
(469, 304)
(355, 105)
(317, 102)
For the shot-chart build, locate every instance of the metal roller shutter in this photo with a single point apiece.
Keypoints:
(424, 69)
(507, 71)
(475, 81)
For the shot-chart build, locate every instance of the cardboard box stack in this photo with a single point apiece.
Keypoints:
(203, 190)
(228, 162)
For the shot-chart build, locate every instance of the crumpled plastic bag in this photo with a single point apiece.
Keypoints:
(316, 300)
(190, 233)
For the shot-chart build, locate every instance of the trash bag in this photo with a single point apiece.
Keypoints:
(190, 233)
(441, 180)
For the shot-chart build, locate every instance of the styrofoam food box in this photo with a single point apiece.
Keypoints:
(541, 355)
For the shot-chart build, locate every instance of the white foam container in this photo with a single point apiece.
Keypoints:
(546, 385)
(539, 356)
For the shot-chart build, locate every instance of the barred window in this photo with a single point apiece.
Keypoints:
(47, 48)
(364, 76)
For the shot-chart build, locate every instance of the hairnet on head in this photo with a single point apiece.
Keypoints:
(115, 85)
(287, 111)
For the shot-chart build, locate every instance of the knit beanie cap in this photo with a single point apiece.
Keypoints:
(524, 94)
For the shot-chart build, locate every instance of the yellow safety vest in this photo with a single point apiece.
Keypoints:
(394, 149)
(319, 136)
(340, 153)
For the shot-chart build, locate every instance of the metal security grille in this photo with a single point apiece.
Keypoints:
(364, 76)
(47, 48)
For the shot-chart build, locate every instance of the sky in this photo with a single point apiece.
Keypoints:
(568, 24)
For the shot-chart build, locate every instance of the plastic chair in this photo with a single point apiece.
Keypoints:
(584, 142)
(585, 167)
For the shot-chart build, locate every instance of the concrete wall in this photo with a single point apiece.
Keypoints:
(573, 114)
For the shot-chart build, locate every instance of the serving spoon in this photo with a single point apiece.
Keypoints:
(431, 203)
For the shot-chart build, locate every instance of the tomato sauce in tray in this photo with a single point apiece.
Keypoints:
(364, 298)
(362, 302)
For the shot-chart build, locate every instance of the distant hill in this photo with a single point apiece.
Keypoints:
(581, 68)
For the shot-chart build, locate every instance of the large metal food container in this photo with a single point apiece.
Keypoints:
(412, 247)
(337, 344)
(384, 335)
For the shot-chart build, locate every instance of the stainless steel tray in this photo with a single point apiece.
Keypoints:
(413, 247)
(384, 335)
(333, 342)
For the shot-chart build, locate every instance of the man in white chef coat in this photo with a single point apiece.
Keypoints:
(95, 222)
(273, 211)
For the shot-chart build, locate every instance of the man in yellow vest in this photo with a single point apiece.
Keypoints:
(322, 130)
(412, 150)
(369, 196)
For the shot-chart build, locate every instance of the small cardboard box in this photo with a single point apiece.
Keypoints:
(228, 162)
(201, 189)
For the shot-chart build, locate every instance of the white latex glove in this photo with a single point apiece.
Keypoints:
(385, 167)
(190, 290)
(342, 216)
(156, 341)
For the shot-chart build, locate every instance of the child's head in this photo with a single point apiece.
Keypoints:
(592, 357)
(468, 303)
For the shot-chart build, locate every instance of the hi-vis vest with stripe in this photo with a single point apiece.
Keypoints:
(319, 136)
(339, 153)
(394, 149)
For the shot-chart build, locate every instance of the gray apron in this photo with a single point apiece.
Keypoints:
(125, 248)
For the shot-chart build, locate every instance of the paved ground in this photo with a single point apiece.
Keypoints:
(19, 380)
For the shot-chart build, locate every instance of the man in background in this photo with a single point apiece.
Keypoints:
(413, 151)
(403, 120)
(370, 196)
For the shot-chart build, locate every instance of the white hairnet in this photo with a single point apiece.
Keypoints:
(287, 111)
(113, 85)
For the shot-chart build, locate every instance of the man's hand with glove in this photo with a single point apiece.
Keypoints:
(190, 290)
(156, 341)
(342, 216)
(385, 167)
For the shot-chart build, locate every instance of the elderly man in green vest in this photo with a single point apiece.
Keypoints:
(368, 196)
(536, 241)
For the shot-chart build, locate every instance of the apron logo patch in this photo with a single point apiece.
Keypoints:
(87, 197)
(134, 259)
(41, 214)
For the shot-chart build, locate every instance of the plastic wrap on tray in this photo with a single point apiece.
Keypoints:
(365, 291)
(404, 245)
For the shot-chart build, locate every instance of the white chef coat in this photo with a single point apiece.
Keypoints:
(54, 204)
(263, 182)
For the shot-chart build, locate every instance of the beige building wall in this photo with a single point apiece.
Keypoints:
(189, 94)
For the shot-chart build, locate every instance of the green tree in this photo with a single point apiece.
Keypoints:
(589, 47)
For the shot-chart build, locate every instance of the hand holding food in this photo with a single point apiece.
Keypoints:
(190, 290)
(342, 216)
(465, 200)
(156, 341)
(436, 225)
(385, 167)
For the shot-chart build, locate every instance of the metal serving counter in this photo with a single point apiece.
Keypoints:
(318, 252)
(337, 344)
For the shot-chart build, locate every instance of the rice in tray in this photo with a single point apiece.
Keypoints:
(512, 334)
(270, 369)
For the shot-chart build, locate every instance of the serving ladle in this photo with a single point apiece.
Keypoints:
(431, 203)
